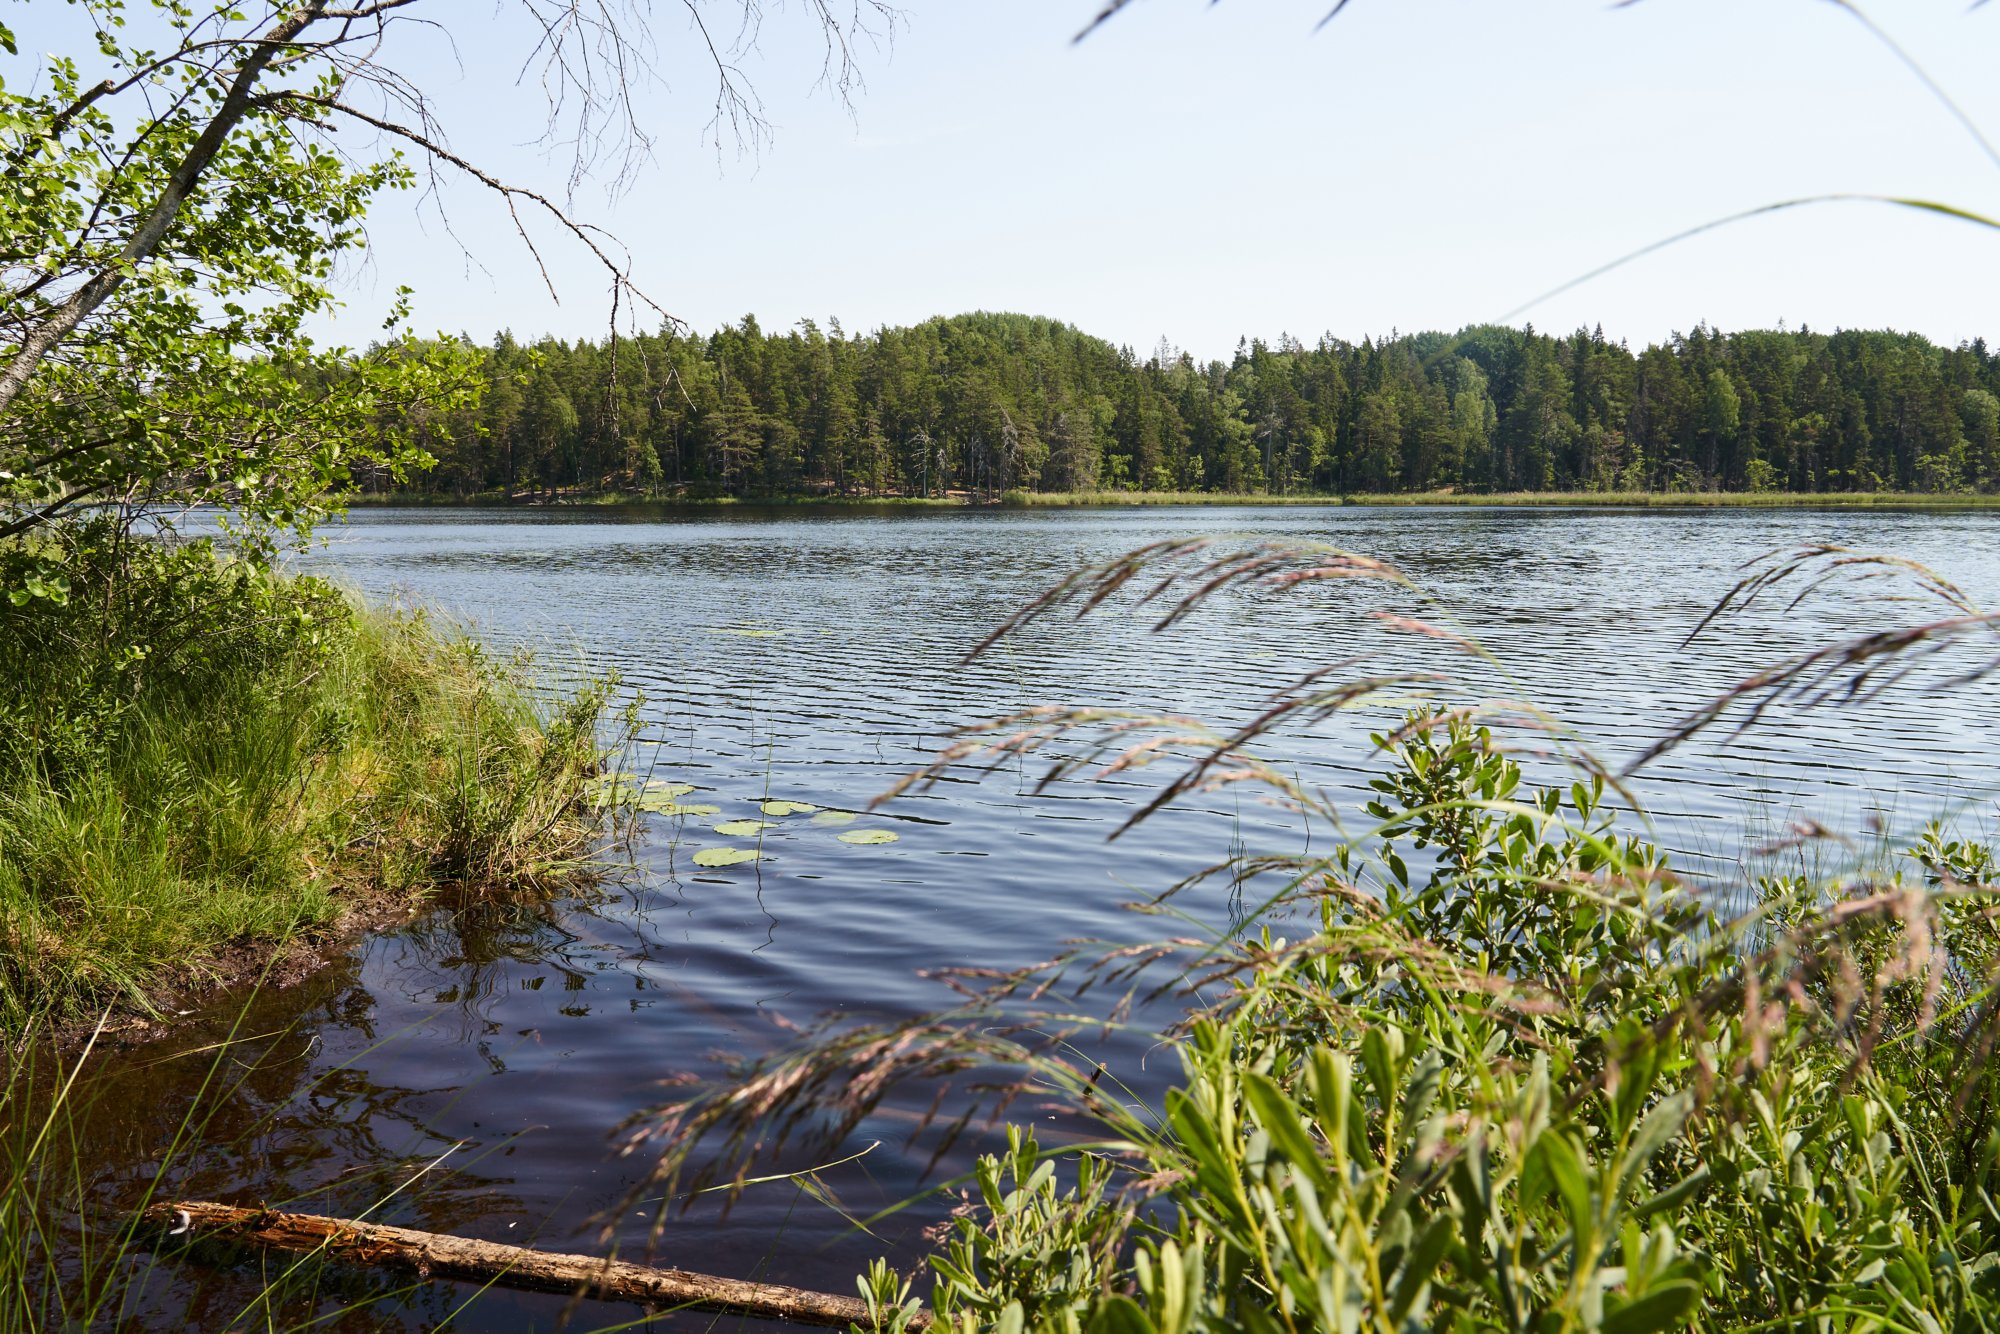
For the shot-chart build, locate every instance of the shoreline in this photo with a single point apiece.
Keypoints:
(1885, 500)
(245, 968)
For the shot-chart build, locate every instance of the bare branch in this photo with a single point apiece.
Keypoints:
(583, 232)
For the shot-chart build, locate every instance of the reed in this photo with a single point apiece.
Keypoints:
(1506, 1067)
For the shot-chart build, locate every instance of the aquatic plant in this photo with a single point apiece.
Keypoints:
(718, 857)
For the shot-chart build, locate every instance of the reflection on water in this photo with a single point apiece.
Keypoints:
(818, 658)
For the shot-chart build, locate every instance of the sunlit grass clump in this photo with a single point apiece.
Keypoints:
(201, 760)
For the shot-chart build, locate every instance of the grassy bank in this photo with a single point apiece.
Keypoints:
(203, 762)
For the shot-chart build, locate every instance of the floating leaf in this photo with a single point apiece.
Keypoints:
(669, 790)
(834, 817)
(663, 803)
(666, 806)
(613, 789)
(868, 836)
(742, 828)
(751, 632)
(726, 856)
(788, 807)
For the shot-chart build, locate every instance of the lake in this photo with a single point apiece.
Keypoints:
(490, 1055)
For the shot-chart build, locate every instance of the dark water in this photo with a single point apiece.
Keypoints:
(817, 658)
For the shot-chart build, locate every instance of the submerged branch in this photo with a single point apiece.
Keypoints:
(438, 1255)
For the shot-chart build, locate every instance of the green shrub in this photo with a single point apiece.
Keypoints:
(125, 625)
(1538, 1087)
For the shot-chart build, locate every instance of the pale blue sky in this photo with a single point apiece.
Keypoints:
(1203, 172)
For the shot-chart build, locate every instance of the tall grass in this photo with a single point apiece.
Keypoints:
(1505, 1068)
(207, 772)
(166, 822)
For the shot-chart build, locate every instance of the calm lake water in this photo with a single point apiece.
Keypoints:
(817, 657)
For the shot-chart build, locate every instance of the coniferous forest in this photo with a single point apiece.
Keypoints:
(982, 404)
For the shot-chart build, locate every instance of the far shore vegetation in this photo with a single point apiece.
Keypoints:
(984, 406)
(1116, 499)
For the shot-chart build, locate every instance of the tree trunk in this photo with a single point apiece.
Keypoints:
(436, 1255)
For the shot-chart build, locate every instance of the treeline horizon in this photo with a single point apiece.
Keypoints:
(982, 404)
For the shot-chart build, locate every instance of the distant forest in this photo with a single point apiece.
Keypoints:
(986, 403)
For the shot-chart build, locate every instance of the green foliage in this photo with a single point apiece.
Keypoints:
(1533, 1086)
(1008, 407)
(1037, 1253)
(172, 223)
(130, 623)
(199, 753)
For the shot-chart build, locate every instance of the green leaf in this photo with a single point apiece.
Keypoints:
(1665, 1306)
(869, 837)
(1381, 1055)
(666, 789)
(742, 828)
(1559, 1159)
(726, 856)
(834, 818)
(787, 807)
(1420, 1264)
(661, 806)
(1278, 1116)
(1660, 1125)
(1119, 1314)
(1671, 1197)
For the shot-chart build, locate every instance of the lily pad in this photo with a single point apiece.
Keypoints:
(668, 806)
(742, 828)
(868, 837)
(751, 632)
(613, 789)
(726, 856)
(834, 817)
(653, 794)
(787, 807)
(668, 790)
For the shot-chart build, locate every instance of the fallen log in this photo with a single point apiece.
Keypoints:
(438, 1255)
